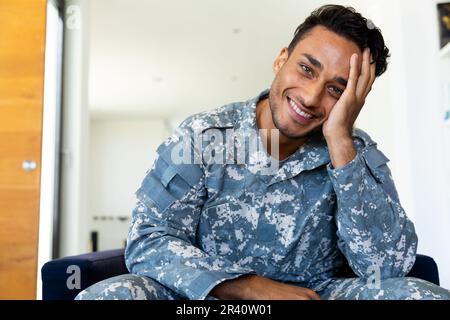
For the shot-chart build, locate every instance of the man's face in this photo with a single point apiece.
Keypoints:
(309, 82)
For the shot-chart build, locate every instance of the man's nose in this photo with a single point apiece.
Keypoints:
(312, 95)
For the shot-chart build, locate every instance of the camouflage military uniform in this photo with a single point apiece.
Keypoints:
(196, 225)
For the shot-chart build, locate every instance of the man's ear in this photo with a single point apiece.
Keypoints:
(280, 60)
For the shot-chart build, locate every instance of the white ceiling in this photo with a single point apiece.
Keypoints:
(170, 58)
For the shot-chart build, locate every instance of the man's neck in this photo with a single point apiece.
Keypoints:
(264, 120)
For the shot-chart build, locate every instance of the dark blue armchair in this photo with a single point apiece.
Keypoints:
(94, 267)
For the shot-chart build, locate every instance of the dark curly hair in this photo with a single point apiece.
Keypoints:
(346, 22)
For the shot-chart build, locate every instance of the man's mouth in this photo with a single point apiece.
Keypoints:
(299, 114)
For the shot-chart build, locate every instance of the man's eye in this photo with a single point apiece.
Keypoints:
(306, 69)
(336, 91)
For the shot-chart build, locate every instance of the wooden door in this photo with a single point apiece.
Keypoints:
(22, 42)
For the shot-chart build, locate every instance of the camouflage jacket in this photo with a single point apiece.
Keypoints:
(200, 223)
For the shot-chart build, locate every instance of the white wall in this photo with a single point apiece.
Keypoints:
(385, 113)
(75, 130)
(121, 151)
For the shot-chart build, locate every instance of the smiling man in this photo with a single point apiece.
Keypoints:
(228, 229)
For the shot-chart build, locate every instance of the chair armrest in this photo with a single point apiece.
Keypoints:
(425, 268)
(64, 278)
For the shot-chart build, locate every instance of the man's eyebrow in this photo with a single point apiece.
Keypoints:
(316, 63)
(341, 81)
(319, 65)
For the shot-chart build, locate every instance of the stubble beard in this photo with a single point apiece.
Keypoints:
(284, 129)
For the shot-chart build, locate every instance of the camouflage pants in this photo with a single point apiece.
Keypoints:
(388, 289)
(133, 287)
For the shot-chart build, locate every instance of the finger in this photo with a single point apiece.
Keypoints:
(354, 73)
(314, 296)
(364, 77)
(372, 77)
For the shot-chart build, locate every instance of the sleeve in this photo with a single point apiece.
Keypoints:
(375, 234)
(162, 236)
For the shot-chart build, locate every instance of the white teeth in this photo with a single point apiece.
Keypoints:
(299, 111)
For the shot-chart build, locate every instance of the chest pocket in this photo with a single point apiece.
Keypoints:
(229, 212)
(227, 184)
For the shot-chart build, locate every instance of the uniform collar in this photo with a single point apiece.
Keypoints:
(313, 154)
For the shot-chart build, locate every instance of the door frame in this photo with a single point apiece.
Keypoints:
(48, 245)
